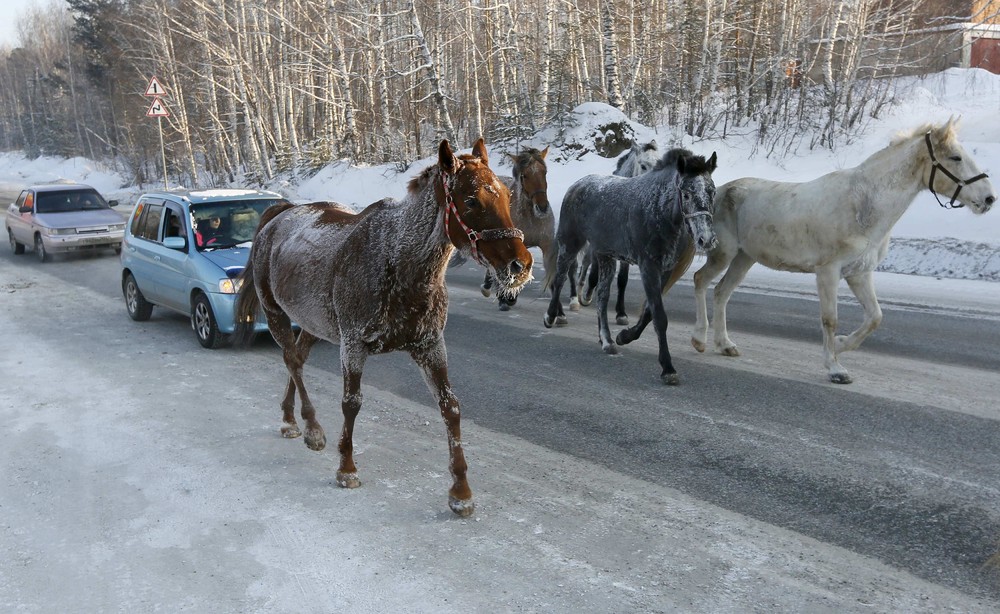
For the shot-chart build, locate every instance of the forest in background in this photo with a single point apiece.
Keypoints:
(256, 88)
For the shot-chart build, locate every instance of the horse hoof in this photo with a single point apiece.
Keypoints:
(574, 304)
(841, 378)
(609, 348)
(348, 480)
(698, 345)
(315, 439)
(462, 507)
(547, 321)
(623, 338)
(485, 291)
(561, 320)
(670, 379)
(623, 320)
(290, 431)
(729, 351)
(504, 307)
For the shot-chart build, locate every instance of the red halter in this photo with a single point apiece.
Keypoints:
(493, 234)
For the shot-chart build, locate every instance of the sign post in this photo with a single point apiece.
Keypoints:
(159, 111)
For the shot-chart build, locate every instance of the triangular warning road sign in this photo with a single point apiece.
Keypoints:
(155, 88)
(157, 109)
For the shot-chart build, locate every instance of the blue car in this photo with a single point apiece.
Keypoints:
(184, 250)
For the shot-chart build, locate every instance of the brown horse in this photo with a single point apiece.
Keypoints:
(530, 211)
(374, 281)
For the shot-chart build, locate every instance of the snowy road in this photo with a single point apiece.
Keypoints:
(142, 473)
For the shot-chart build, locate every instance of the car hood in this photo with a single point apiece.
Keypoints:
(80, 219)
(229, 258)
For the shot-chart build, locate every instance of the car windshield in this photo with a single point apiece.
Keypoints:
(64, 201)
(223, 224)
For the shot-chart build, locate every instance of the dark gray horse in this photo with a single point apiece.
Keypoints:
(647, 220)
(639, 159)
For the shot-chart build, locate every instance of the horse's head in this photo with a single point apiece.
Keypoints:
(477, 216)
(530, 174)
(638, 160)
(697, 195)
(952, 171)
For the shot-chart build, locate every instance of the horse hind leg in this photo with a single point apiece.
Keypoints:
(826, 285)
(295, 352)
(863, 288)
(434, 364)
(620, 316)
(606, 269)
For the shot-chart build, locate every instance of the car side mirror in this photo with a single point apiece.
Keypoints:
(178, 243)
(112, 203)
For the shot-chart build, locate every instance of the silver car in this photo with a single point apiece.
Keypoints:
(63, 218)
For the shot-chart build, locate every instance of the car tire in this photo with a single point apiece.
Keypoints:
(139, 309)
(206, 328)
(17, 248)
(40, 252)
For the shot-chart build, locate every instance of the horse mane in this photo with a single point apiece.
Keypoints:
(693, 164)
(948, 133)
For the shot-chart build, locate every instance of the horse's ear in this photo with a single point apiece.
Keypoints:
(544, 153)
(713, 162)
(681, 164)
(446, 158)
(479, 150)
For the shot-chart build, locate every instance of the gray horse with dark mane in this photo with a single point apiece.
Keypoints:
(648, 220)
(639, 159)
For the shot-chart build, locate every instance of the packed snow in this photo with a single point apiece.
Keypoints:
(928, 240)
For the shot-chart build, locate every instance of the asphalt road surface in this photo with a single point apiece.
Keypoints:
(143, 473)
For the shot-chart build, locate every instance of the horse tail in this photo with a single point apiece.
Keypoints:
(550, 258)
(247, 299)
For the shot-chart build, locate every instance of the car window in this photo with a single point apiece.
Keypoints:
(222, 224)
(64, 201)
(137, 219)
(174, 226)
(149, 227)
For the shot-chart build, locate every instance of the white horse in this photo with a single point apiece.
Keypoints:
(836, 226)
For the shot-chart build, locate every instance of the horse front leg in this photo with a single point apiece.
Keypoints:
(605, 266)
(738, 268)
(352, 364)
(434, 363)
(652, 282)
(487, 288)
(826, 285)
(620, 316)
(863, 288)
(716, 263)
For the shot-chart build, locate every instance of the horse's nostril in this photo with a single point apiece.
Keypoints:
(516, 267)
(990, 200)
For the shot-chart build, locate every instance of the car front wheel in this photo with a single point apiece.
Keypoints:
(40, 249)
(139, 309)
(17, 248)
(205, 325)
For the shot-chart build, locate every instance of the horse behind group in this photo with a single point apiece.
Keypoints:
(647, 220)
(836, 226)
(530, 212)
(375, 282)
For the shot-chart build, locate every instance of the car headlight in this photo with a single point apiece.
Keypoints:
(116, 227)
(230, 286)
(60, 231)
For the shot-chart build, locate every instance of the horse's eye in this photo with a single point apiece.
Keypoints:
(955, 158)
(471, 202)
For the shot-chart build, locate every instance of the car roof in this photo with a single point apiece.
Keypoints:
(212, 195)
(60, 187)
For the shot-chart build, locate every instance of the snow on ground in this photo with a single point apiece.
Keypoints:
(928, 240)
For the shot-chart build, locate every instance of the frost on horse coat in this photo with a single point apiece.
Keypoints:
(374, 282)
(645, 220)
(836, 226)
